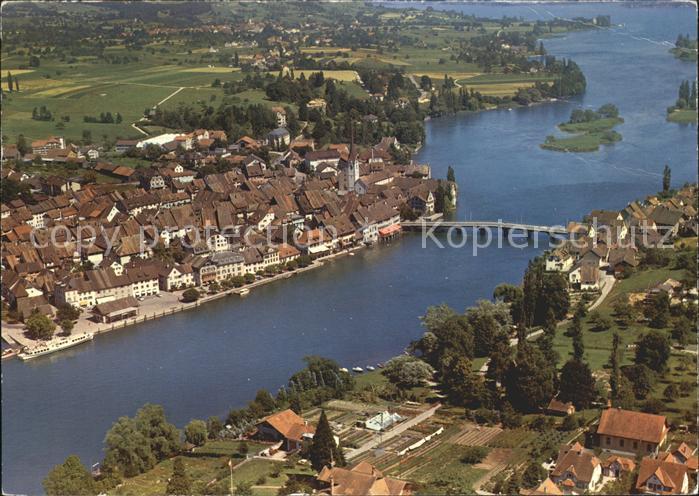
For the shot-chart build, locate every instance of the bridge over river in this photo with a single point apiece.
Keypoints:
(439, 224)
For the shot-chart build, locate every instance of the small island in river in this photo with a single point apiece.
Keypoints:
(589, 129)
(685, 109)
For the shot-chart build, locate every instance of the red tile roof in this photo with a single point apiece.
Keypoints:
(628, 424)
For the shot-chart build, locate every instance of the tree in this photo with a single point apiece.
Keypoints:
(667, 174)
(507, 293)
(614, 376)
(577, 384)
(623, 311)
(243, 488)
(265, 400)
(642, 380)
(127, 449)
(323, 451)
(67, 326)
(578, 344)
(68, 312)
(570, 423)
(450, 174)
(489, 322)
(474, 454)
(190, 295)
(39, 327)
(22, 146)
(179, 484)
(682, 330)
(163, 436)
(195, 432)
(671, 392)
(653, 351)
(529, 380)
(407, 371)
(214, 426)
(70, 477)
(464, 387)
(533, 475)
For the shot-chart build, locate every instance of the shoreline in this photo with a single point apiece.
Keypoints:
(12, 334)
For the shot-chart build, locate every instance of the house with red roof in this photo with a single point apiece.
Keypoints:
(657, 476)
(631, 432)
(286, 426)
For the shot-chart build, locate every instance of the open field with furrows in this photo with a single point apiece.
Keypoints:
(340, 75)
(87, 87)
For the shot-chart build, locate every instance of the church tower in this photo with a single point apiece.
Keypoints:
(352, 170)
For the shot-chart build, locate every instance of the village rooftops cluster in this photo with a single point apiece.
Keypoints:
(86, 244)
(624, 437)
(609, 241)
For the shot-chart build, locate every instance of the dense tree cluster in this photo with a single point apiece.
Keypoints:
(134, 445)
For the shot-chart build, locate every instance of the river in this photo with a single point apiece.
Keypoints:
(364, 309)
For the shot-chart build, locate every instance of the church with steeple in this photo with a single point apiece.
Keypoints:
(351, 170)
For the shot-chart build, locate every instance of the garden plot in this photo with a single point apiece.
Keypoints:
(476, 435)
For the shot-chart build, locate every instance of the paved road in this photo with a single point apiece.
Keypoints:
(399, 429)
(607, 285)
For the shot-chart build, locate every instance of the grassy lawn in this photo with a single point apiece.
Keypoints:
(370, 379)
(587, 136)
(595, 126)
(598, 345)
(588, 142)
(209, 465)
(682, 116)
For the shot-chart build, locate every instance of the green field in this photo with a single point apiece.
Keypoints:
(598, 345)
(208, 467)
(88, 87)
(685, 116)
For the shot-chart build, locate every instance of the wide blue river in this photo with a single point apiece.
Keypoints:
(364, 309)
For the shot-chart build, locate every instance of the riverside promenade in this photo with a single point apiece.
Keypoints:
(166, 303)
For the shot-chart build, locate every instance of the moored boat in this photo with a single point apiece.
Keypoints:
(244, 292)
(54, 345)
(358, 370)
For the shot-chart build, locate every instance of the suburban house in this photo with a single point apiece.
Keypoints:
(577, 469)
(280, 114)
(362, 480)
(666, 220)
(42, 147)
(559, 260)
(286, 426)
(631, 432)
(615, 466)
(662, 477)
(557, 407)
(585, 275)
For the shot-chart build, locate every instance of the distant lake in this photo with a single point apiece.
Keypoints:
(364, 309)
